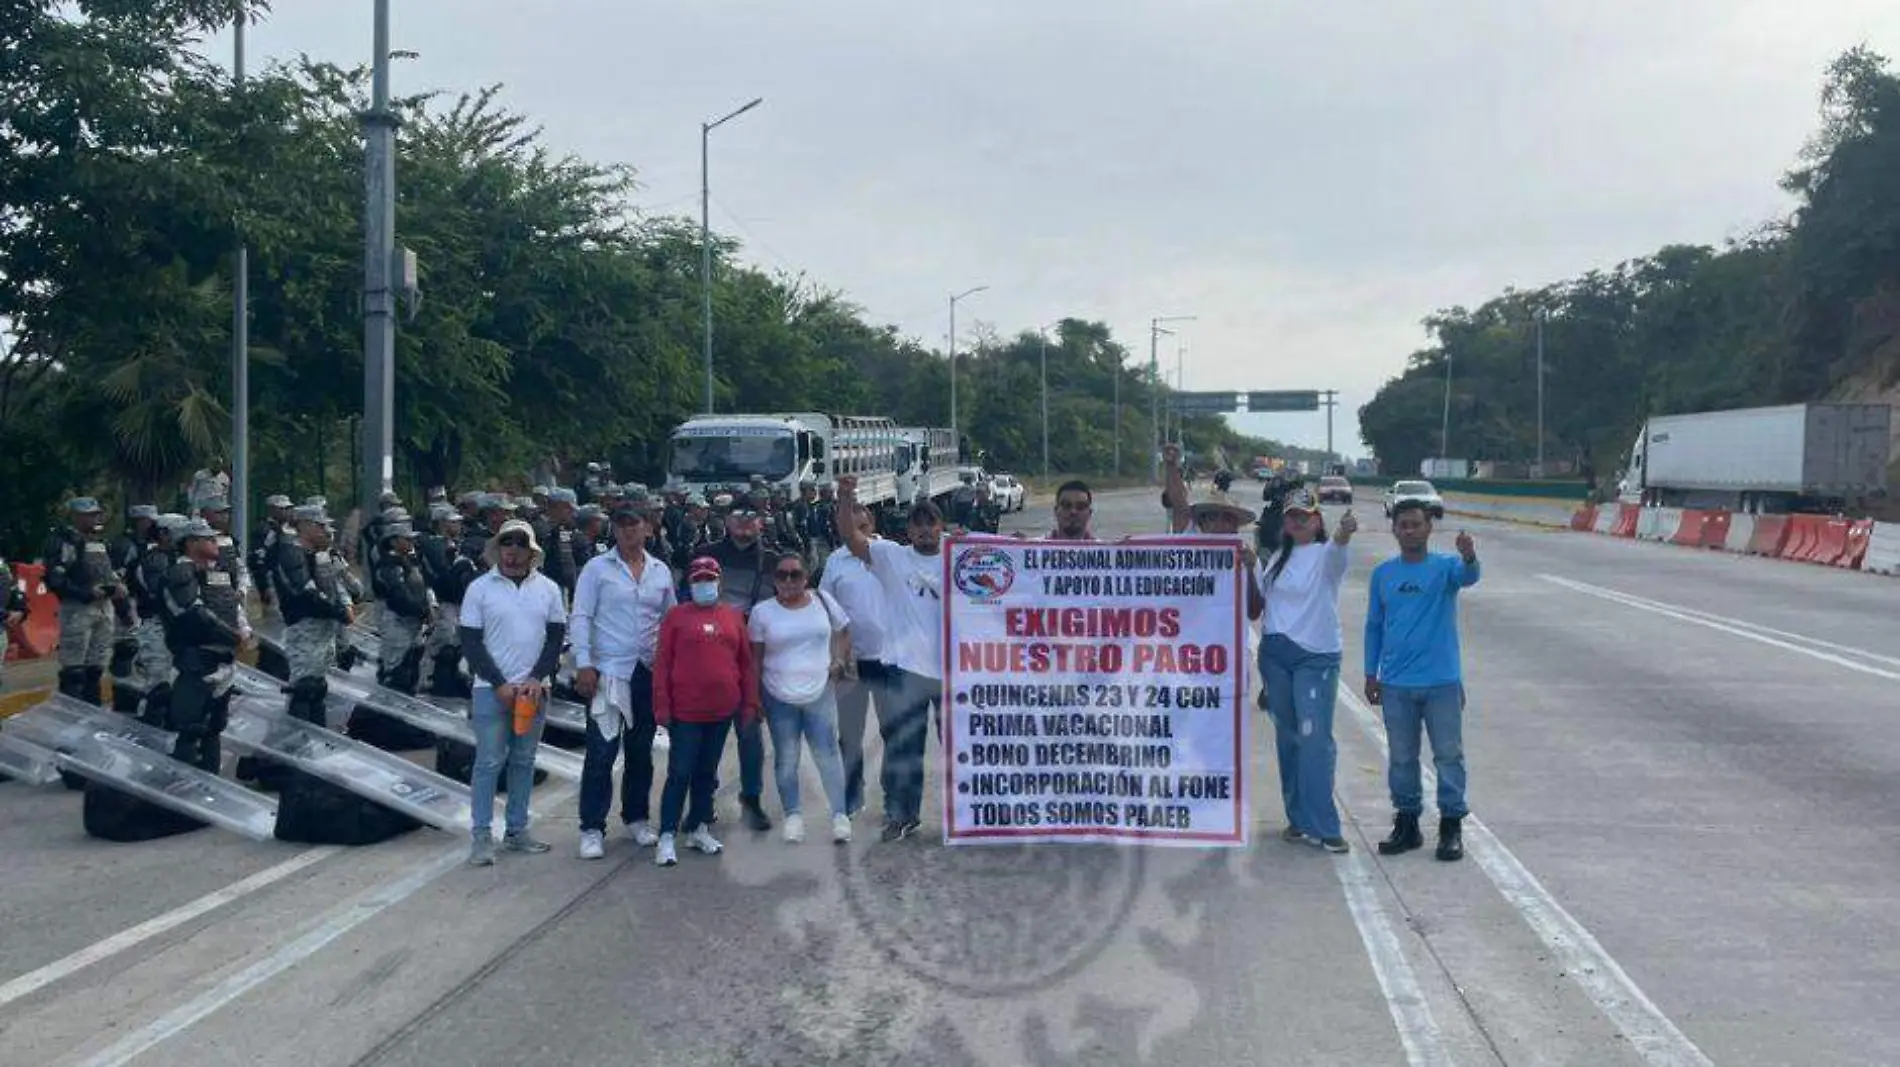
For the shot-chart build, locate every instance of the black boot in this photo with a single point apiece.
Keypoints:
(753, 814)
(307, 699)
(91, 691)
(158, 707)
(72, 682)
(1405, 836)
(125, 696)
(1451, 841)
(448, 680)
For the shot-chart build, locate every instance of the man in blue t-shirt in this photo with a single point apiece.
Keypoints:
(1413, 671)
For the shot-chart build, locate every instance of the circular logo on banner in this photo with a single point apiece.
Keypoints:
(983, 574)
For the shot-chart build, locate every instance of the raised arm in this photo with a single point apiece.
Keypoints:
(1174, 487)
(847, 519)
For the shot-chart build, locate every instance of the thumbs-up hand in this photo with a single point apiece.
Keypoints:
(1466, 547)
(1348, 525)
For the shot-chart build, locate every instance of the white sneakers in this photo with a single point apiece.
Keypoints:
(840, 828)
(593, 844)
(664, 856)
(794, 828)
(703, 840)
(643, 834)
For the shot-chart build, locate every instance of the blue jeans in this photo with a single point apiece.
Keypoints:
(817, 724)
(496, 746)
(692, 770)
(1301, 688)
(751, 738)
(1440, 711)
(903, 718)
(854, 706)
(597, 769)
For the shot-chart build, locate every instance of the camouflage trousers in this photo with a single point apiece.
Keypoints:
(310, 646)
(446, 633)
(85, 633)
(399, 635)
(154, 664)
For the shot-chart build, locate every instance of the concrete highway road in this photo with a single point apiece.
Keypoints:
(1683, 770)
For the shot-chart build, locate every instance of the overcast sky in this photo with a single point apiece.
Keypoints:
(1309, 179)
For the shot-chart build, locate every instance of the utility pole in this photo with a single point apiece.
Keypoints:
(954, 428)
(1444, 433)
(240, 346)
(1540, 393)
(1154, 386)
(1044, 334)
(1118, 415)
(379, 298)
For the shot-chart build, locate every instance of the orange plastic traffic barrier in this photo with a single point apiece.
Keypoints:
(38, 635)
(1771, 535)
(1859, 534)
(1689, 530)
(1585, 519)
(1626, 522)
(1804, 536)
(1715, 530)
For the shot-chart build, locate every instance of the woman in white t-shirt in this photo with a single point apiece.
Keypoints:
(1299, 665)
(800, 642)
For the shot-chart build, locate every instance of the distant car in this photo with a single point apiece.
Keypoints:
(1415, 491)
(1008, 492)
(1335, 490)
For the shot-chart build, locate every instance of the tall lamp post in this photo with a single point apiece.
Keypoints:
(1540, 393)
(705, 234)
(379, 253)
(240, 351)
(1154, 385)
(956, 431)
(1043, 332)
(1444, 432)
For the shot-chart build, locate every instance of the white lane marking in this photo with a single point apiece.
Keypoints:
(334, 924)
(1732, 626)
(1404, 997)
(1577, 952)
(34, 981)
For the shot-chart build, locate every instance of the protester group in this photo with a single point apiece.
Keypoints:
(714, 620)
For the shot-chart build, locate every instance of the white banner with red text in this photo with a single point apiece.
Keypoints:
(1095, 691)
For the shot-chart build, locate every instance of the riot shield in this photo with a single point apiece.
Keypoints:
(26, 762)
(441, 721)
(261, 728)
(168, 783)
(61, 722)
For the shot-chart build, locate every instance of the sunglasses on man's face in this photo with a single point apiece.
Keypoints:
(789, 576)
(514, 541)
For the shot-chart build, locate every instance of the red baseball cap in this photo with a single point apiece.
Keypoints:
(703, 569)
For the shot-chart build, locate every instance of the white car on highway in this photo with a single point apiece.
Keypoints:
(1008, 493)
(1422, 491)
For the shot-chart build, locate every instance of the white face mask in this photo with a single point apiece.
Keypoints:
(705, 594)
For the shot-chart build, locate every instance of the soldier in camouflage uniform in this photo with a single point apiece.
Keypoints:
(153, 666)
(559, 540)
(217, 515)
(448, 573)
(202, 614)
(126, 550)
(407, 607)
(308, 577)
(274, 529)
(79, 572)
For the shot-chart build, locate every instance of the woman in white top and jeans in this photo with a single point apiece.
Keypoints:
(1299, 665)
(799, 642)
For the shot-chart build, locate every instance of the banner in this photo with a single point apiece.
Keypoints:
(1095, 691)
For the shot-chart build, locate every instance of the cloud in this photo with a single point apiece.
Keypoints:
(1310, 180)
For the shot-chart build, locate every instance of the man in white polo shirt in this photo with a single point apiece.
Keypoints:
(618, 603)
(513, 625)
(848, 581)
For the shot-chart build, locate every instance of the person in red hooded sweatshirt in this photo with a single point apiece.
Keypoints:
(703, 679)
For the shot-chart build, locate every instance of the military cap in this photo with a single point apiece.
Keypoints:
(142, 511)
(216, 503)
(277, 500)
(309, 513)
(83, 505)
(443, 513)
(200, 529)
(398, 529)
(562, 495)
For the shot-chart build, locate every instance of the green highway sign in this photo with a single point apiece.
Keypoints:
(1284, 400)
(1203, 403)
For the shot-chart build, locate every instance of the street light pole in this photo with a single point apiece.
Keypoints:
(1154, 386)
(1444, 433)
(956, 430)
(379, 252)
(240, 350)
(1044, 333)
(1540, 393)
(705, 235)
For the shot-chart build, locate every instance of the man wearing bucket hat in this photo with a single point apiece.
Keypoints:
(407, 607)
(1214, 514)
(79, 572)
(513, 626)
(201, 630)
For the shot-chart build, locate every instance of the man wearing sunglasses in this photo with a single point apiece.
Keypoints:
(1075, 506)
(513, 626)
(618, 604)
